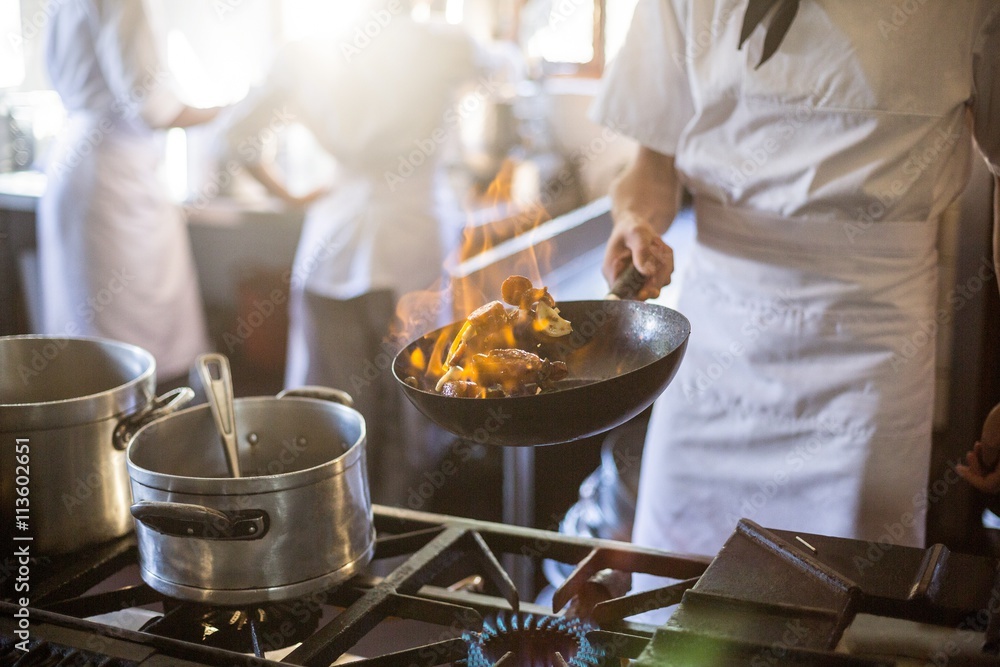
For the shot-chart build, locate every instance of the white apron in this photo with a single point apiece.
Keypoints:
(804, 400)
(114, 255)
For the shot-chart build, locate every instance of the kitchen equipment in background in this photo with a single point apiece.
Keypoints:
(518, 178)
(297, 522)
(74, 402)
(490, 134)
(17, 144)
(261, 329)
(621, 356)
(608, 496)
(29, 123)
(14, 154)
(606, 508)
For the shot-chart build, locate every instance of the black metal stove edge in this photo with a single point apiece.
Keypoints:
(132, 647)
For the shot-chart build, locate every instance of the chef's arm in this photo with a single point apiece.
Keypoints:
(191, 116)
(267, 176)
(644, 202)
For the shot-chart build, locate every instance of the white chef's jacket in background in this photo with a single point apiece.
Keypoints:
(114, 254)
(805, 398)
(383, 109)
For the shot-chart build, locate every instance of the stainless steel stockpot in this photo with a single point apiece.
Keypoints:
(70, 405)
(299, 520)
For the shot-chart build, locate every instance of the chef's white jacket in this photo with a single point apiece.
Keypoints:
(805, 398)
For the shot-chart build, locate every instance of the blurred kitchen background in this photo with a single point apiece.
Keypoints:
(504, 154)
(532, 171)
(524, 156)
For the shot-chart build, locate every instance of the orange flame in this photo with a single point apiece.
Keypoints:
(484, 258)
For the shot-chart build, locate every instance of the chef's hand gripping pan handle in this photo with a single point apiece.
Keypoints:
(627, 284)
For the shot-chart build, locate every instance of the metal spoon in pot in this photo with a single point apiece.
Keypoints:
(218, 382)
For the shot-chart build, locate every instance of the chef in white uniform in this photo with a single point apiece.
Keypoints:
(114, 254)
(382, 107)
(805, 398)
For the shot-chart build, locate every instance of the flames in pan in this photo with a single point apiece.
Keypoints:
(499, 350)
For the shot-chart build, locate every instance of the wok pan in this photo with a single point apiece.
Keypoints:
(621, 356)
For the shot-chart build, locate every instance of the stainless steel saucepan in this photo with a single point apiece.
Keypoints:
(297, 521)
(67, 409)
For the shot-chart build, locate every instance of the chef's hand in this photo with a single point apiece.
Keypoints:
(981, 469)
(268, 176)
(303, 201)
(639, 244)
(191, 116)
(644, 201)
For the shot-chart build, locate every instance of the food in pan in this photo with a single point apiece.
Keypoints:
(504, 351)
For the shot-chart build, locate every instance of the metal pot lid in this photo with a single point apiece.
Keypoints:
(284, 443)
(53, 382)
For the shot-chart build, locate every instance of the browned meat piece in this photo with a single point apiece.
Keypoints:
(487, 328)
(490, 317)
(490, 357)
(515, 371)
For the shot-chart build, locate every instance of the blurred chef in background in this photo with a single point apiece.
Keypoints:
(114, 253)
(375, 94)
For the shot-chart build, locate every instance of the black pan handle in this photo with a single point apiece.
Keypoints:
(627, 284)
(189, 520)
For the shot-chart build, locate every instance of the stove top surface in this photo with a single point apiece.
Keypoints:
(438, 593)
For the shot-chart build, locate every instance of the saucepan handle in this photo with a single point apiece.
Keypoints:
(189, 520)
(323, 393)
(161, 406)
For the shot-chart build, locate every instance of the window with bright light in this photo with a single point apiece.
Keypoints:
(618, 17)
(576, 37)
(11, 46)
(304, 18)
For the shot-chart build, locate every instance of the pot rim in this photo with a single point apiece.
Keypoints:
(116, 401)
(255, 484)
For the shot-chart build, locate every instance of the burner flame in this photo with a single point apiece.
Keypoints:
(532, 641)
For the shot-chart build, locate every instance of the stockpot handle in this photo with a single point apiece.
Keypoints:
(189, 520)
(322, 393)
(172, 401)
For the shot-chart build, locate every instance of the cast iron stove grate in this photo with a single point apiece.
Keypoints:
(733, 611)
(423, 553)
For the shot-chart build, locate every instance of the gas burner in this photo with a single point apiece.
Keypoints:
(528, 640)
(254, 629)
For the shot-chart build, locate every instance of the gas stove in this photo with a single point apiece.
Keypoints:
(436, 594)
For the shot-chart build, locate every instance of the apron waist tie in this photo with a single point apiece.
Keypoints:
(727, 228)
